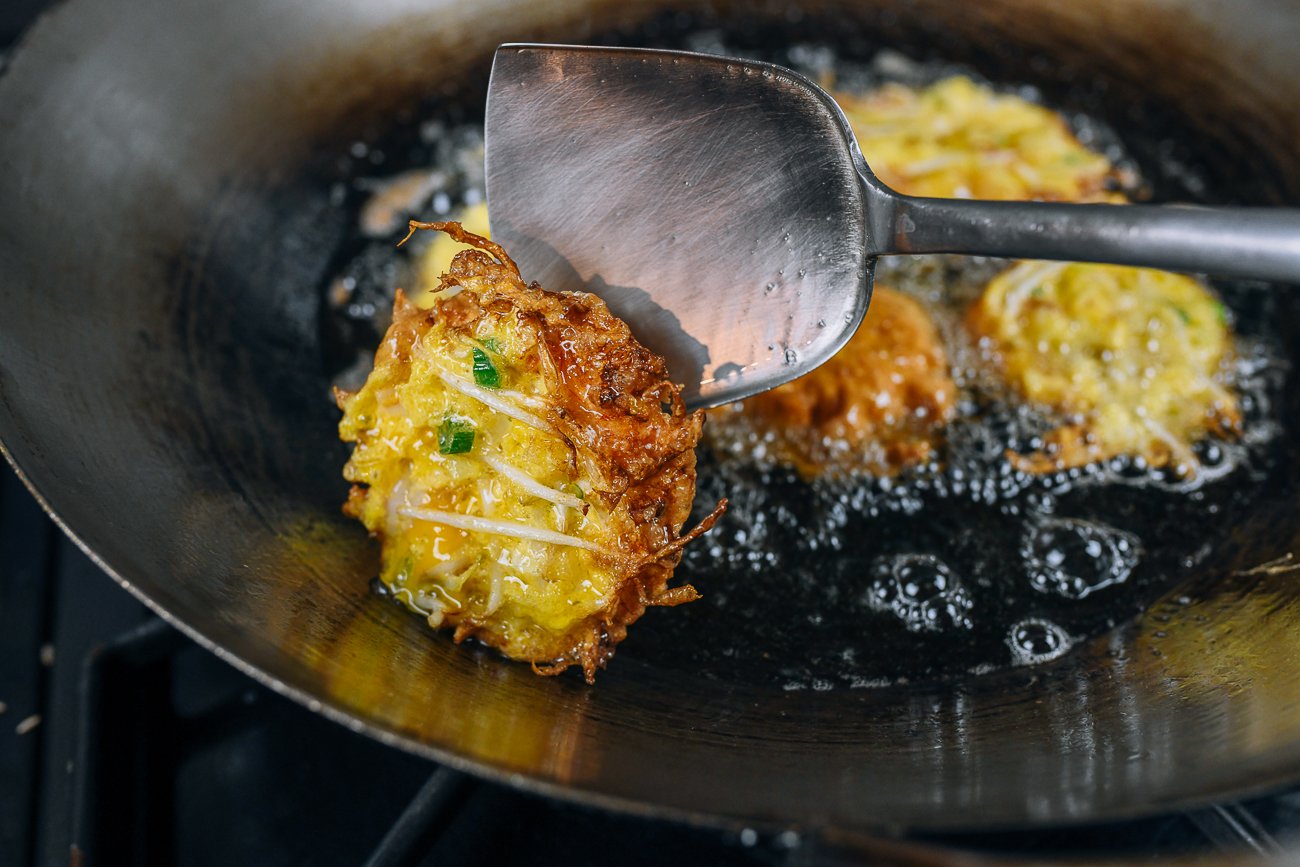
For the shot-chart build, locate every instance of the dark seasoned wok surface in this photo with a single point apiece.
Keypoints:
(162, 387)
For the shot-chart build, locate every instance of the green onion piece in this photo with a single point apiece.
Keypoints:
(455, 437)
(485, 372)
(1221, 312)
(491, 345)
(1183, 315)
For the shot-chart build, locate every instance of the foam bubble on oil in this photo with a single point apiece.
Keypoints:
(921, 591)
(1035, 640)
(1075, 558)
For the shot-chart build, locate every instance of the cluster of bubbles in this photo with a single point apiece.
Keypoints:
(921, 591)
(1074, 558)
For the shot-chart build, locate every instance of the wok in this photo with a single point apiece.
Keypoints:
(164, 238)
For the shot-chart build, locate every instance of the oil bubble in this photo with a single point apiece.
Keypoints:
(1035, 640)
(921, 591)
(1075, 558)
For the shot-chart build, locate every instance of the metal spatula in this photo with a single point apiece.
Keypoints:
(722, 208)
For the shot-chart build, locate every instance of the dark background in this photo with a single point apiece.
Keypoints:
(15, 15)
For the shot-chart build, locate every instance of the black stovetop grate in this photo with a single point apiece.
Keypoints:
(122, 742)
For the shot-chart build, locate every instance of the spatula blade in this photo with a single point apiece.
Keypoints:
(714, 204)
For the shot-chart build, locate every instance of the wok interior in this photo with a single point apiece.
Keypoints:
(163, 388)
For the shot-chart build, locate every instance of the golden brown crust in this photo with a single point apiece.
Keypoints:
(882, 399)
(614, 393)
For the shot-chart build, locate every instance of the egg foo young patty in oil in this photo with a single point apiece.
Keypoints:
(960, 139)
(1133, 358)
(878, 404)
(525, 463)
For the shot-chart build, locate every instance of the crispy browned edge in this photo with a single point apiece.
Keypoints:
(835, 399)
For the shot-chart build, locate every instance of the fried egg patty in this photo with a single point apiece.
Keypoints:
(525, 463)
(1132, 359)
(960, 139)
(877, 405)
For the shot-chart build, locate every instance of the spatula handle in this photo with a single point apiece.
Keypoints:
(1259, 243)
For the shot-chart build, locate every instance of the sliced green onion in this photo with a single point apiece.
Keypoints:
(491, 345)
(485, 372)
(1183, 315)
(455, 437)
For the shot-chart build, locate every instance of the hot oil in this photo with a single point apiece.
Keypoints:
(965, 565)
